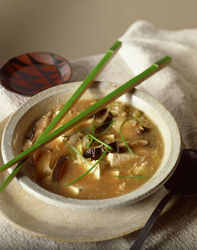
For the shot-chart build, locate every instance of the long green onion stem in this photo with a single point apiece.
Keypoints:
(110, 125)
(77, 152)
(85, 84)
(90, 111)
(123, 139)
(92, 127)
(138, 119)
(12, 175)
(81, 176)
(104, 144)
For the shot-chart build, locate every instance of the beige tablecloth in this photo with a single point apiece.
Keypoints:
(175, 87)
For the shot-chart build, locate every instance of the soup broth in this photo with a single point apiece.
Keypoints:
(121, 144)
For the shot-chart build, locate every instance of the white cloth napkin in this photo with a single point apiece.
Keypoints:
(175, 87)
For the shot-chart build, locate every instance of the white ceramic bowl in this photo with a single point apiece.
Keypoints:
(41, 103)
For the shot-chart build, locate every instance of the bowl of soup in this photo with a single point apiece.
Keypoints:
(116, 157)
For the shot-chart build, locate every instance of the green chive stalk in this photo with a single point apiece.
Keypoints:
(89, 170)
(77, 94)
(123, 139)
(91, 110)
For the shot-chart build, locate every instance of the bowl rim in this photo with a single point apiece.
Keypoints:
(61, 201)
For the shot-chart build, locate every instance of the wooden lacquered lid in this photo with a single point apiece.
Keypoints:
(31, 73)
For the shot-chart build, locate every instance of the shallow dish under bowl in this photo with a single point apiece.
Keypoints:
(41, 103)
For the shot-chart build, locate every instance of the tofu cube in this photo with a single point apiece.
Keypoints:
(74, 190)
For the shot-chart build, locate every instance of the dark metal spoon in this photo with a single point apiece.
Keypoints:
(183, 182)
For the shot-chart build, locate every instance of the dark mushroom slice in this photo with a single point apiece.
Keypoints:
(100, 113)
(120, 147)
(59, 169)
(109, 118)
(105, 124)
(141, 130)
(30, 133)
(117, 147)
(94, 152)
(36, 156)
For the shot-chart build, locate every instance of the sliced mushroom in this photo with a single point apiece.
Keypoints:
(122, 148)
(105, 124)
(59, 169)
(141, 130)
(36, 156)
(118, 109)
(30, 133)
(140, 142)
(42, 159)
(41, 124)
(74, 138)
(28, 144)
(117, 160)
(100, 113)
(108, 118)
(117, 147)
(94, 153)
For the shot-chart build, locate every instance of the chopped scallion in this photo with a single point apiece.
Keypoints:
(138, 119)
(110, 125)
(12, 175)
(123, 139)
(77, 152)
(81, 176)
(92, 127)
(104, 144)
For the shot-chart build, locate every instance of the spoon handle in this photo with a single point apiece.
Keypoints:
(151, 221)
